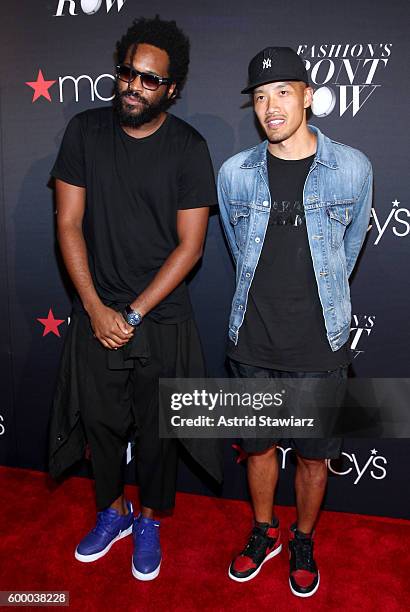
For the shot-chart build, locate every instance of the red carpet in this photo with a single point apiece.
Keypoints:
(364, 561)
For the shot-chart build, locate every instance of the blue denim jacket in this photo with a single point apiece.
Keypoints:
(337, 199)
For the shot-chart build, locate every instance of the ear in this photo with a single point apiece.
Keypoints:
(307, 97)
(172, 91)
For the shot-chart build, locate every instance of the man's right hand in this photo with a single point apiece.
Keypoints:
(110, 327)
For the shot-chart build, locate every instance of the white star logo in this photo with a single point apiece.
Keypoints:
(395, 202)
(373, 451)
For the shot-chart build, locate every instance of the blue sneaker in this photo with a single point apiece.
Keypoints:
(110, 527)
(146, 560)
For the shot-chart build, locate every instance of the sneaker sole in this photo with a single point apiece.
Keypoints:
(306, 594)
(98, 555)
(145, 577)
(256, 572)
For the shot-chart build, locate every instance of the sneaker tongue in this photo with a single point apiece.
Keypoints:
(147, 522)
(299, 535)
(109, 514)
(265, 526)
(262, 527)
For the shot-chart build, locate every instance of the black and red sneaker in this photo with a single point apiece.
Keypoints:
(263, 544)
(304, 576)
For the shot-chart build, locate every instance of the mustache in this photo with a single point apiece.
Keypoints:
(134, 94)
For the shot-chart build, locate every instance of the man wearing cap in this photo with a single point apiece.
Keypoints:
(295, 211)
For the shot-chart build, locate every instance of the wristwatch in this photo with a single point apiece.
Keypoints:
(133, 317)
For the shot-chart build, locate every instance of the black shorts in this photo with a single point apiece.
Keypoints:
(311, 448)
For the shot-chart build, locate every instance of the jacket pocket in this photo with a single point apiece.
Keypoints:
(339, 218)
(239, 214)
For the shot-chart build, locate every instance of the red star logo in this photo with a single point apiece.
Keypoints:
(51, 324)
(40, 87)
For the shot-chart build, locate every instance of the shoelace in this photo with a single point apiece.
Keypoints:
(147, 534)
(303, 549)
(257, 544)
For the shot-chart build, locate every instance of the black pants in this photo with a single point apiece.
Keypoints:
(311, 448)
(107, 397)
(121, 403)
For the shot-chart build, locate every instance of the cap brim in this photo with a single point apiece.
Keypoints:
(250, 88)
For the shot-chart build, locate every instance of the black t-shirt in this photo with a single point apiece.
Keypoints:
(284, 327)
(135, 186)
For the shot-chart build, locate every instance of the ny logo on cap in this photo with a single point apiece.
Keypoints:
(267, 63)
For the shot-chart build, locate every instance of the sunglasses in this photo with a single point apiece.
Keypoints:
(149, 81)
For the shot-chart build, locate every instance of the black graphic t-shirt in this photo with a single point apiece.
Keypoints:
(284, 326)
(134, 188)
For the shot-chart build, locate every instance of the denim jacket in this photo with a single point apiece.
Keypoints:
(337, 198)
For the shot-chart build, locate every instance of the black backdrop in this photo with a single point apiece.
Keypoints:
(357, 57)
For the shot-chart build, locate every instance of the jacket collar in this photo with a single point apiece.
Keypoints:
(325, 153)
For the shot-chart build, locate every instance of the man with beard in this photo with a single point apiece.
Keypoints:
(133, 185)
(295, 210)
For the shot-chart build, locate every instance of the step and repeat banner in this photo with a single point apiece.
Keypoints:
(58, 59)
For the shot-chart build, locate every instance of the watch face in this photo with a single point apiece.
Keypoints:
(133, 317)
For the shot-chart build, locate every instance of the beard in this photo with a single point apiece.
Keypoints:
(129, 116)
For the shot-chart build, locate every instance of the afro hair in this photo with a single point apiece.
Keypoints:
(164, 35)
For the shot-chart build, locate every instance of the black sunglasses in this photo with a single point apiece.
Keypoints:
(149, 81)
